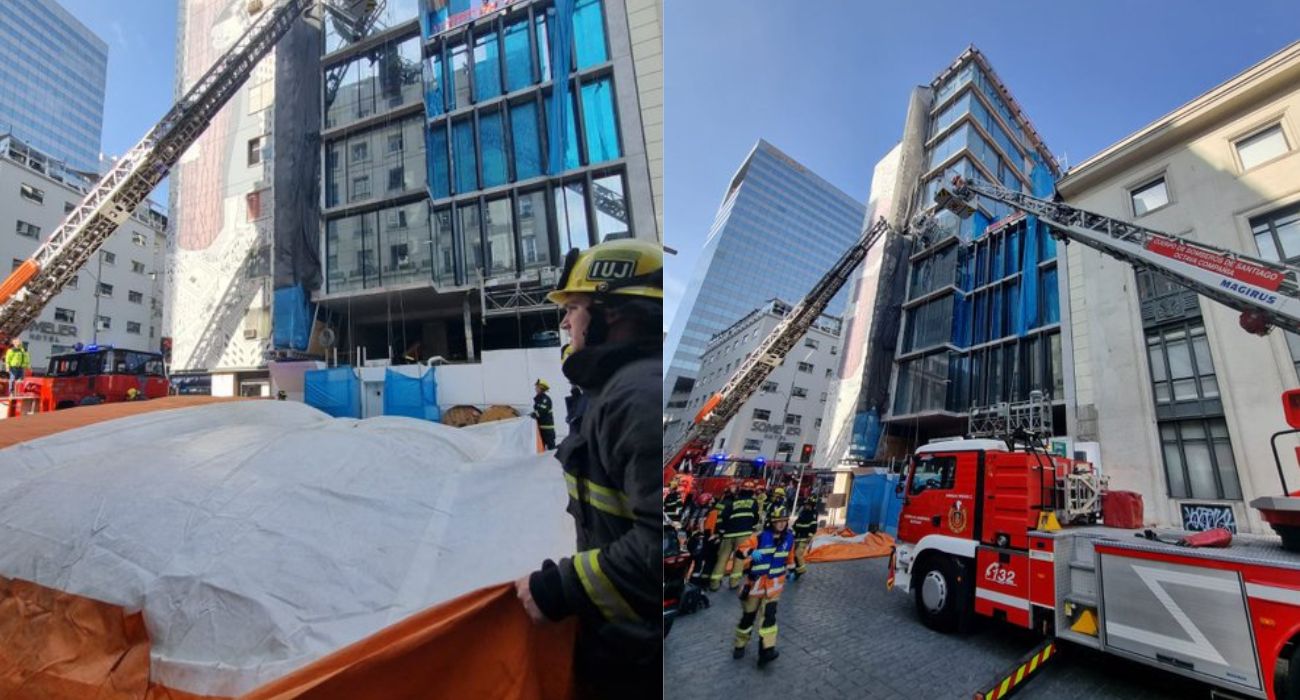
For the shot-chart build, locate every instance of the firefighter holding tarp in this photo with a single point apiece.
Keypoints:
(762, 590)
(612, 295)
(544, 413)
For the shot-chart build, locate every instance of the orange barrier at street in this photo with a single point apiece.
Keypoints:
(480, 645)
(59, 646)
(876, 544)
(24, 428)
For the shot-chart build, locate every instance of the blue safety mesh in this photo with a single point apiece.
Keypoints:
(866, 434)
(336, 391)
(560, 105)
(291, 320)
(1028, 316)
(410, 396)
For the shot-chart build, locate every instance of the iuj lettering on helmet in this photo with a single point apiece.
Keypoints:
(611, 269)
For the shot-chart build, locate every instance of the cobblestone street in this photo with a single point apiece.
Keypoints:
(842, 635)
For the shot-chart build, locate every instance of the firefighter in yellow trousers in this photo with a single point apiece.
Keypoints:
(766, 578)
(736, 522)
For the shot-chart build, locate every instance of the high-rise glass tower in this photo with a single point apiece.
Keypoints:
(778, 230)
(52, 82)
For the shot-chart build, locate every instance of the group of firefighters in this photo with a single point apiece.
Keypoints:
(747, 531)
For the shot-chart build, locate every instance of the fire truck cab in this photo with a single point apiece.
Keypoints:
(986, 530)
(98, 374)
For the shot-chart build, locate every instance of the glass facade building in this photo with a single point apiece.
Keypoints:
(470, 145)
(52, 82)
(981, 313)
(779, 229)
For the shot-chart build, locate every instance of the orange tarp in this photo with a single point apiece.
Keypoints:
(876, 544)
(24, 428)
(59, 646)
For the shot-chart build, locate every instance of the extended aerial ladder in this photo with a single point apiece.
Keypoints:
(1266, 293)
(31, 286)
(769, 355)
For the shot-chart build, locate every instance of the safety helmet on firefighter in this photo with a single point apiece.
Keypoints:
(748, 485)
(778, 512)
(132, 393)
(541, 385)
(624, 268)
(780, 491)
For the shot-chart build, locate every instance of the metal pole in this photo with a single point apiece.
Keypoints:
(94, 340)
(469, 331)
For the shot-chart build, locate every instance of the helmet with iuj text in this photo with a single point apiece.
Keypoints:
(620, 268)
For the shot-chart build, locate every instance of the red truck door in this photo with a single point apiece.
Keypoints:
(940, 496)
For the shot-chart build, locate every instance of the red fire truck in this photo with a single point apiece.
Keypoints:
(97, 374)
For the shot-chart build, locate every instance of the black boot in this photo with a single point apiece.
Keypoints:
(767, 655)
(737, 652)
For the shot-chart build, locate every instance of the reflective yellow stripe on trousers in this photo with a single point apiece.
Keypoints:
(600, 589)
(604, 499)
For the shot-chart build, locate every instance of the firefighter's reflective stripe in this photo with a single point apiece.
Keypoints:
(763, 556)
(1022, 671)
(600, 589)
(546, 427)
(604, 499)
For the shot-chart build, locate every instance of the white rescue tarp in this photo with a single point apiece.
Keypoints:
(259, 536)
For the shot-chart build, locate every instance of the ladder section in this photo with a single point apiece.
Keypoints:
(768, 356)
(112, 200)
(1266, 292)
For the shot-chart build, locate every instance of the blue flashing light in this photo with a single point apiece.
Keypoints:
(759, 461)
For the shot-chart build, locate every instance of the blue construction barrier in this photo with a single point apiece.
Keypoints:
(874, 504)
(410, 396)
(292, 317)
(336, 391)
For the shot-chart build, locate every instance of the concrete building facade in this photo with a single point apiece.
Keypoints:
(243, 250)
(779, 229)
(52, 82)
(1181, 399)
(783, 419)
(966, 312)
(117, 298)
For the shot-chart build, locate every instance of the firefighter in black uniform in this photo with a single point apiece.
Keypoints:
(543, 413)
(674, 505)
(612, 294)
(805, 526)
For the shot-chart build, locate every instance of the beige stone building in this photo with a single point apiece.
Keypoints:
(1181, 399)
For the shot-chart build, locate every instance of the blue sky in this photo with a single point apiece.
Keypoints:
(828, 82)
(141, 38)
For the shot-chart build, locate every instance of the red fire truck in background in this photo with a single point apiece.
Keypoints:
(96, 374)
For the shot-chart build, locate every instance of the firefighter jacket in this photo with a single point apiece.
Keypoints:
(542, 411)
(806, 524)
(768, 562)
(613, 469)
(17, 358)
(739, 517)
(673, 506)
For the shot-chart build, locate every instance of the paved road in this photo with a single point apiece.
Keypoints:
(842, 635)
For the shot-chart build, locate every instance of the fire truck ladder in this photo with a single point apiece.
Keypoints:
(1031, 419)
(112, 200)
(1266, 293)
(754, 370)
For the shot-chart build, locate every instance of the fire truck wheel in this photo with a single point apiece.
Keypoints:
(1286, 681)
(942, 593)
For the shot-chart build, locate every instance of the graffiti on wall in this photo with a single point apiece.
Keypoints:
(1198, 517)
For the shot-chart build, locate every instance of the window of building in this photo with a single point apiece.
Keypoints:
(133, 327)
(464, 155)
(32, 194)
(459, 76)
(65, 315)
(492, 147)
(798, 392)
(103, 323)
(139, 238)
(72, 283)
(255, 150)
(1181, 367)
(1261, 147)
(611, 208)
(396, 178)
(835, 350)
(519, 66)
(110, 258)
(400, 254)
(828, 373)
(105, 289)
(360, 187)
(500, 239)
(793, 419)
(806, 367)
(1198, 459)
(817, 423)
(534, 229)
(823, 399)
(360, 152)
(487, 67)
(571, 215)
(135, 297)
(28, 230)
(588, 33)
(395, 143)
(598, 122)
(17, 262)
(753, 444)
(525, 141)
(253, 206)
(769, 387)
(810, 343)
(762, 414)
(472, 234)
(785, 448)
(68, 207)
(1149, 197)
